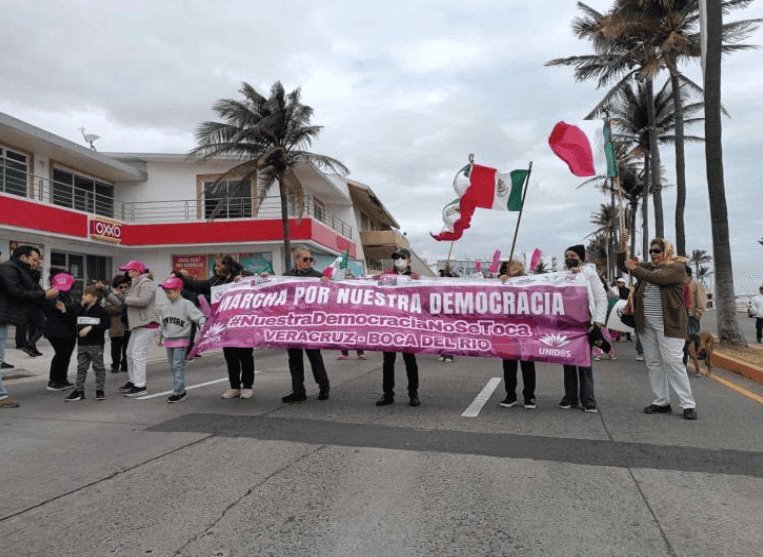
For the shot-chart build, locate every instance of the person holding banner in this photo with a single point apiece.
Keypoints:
(239, 361)
(658, 308)
(515, 268)
(303, 267)
(402, 266)
(582, 376)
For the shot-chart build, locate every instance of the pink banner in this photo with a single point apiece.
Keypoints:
(541, 317)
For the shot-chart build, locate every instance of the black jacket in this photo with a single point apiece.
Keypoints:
(205, 286)
(19, 293)
(306, 273)
(57, 324)
(96, 336)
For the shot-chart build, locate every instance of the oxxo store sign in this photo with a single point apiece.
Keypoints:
(105, 230)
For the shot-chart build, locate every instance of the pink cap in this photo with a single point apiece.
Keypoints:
(173, 283)
(62, 282)
(133, 265)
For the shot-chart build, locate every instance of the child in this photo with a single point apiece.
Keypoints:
(92, 323)
(175, 332)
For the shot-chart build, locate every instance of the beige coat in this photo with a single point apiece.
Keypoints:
(140, 301)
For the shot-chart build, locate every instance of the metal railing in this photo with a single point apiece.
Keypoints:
(182, 210)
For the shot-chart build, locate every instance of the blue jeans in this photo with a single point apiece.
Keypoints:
(176, 358)
(3, 337)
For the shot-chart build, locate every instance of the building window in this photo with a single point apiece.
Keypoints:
(14, 172)
(229, 199)
(86, 269)
(319, 209)
(365, 222)
(82, 193)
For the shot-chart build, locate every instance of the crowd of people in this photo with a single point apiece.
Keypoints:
(666, 306)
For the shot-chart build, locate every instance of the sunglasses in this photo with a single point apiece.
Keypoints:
(397, 256)
(655, 251)
(307, 259)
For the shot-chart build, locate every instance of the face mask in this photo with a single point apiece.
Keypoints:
(401, 263)
(571, 263)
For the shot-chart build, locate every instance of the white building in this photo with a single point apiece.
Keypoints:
(90, 212)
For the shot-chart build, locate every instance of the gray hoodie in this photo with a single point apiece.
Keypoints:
(177, 317)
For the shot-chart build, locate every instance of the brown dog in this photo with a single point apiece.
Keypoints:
(700, 345)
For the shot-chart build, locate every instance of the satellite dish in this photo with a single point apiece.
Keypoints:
(89, 138)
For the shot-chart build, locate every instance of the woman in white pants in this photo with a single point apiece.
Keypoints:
(660, 317)
(143, 323)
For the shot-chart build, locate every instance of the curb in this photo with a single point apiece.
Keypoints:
(740, 367)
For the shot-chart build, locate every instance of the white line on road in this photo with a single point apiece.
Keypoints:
(188, 388)
(476, 406)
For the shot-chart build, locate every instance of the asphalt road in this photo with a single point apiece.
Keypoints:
(746, 324)
(213, 477)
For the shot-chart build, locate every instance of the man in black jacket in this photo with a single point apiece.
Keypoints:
(303, 267)
(18, 295)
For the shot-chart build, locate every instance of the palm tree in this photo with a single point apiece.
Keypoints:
(728, 328)
(698, 257)
(596, 251)
(607, 219)
(702, 275)
(268, 137)
(670, 30)
(629, 110)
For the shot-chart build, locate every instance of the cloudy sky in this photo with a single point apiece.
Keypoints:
(404, 90)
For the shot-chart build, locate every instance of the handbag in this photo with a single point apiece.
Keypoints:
(626, 313)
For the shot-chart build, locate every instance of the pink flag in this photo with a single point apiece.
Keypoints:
(535, 258)
(204, 306)
(496, 264)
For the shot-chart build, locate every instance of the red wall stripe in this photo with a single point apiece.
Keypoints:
(41, 217)
(49, 218)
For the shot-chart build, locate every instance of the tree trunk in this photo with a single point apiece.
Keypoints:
(645, 208)
(283, 191)
(654, 155)
(612, 247)
(728, 328)
(632, 226)
(678, 108)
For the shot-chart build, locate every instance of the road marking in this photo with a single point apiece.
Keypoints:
(737, 388)
(476, 406)
(215, 381)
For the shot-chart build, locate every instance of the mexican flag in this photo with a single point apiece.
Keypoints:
(586, 147)
(480, 186)
(340, 263)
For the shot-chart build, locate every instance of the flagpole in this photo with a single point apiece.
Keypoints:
(447, 261)
(521, 209)
(615, 182)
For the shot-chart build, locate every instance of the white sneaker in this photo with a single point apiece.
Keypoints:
(247, 393)
(597, 358)
(639, 358)
(231, 393)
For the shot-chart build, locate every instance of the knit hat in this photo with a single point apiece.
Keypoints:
(579, 249)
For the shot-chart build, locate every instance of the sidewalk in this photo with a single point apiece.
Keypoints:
(29, 369)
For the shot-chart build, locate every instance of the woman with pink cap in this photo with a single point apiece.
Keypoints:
(142, 321)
